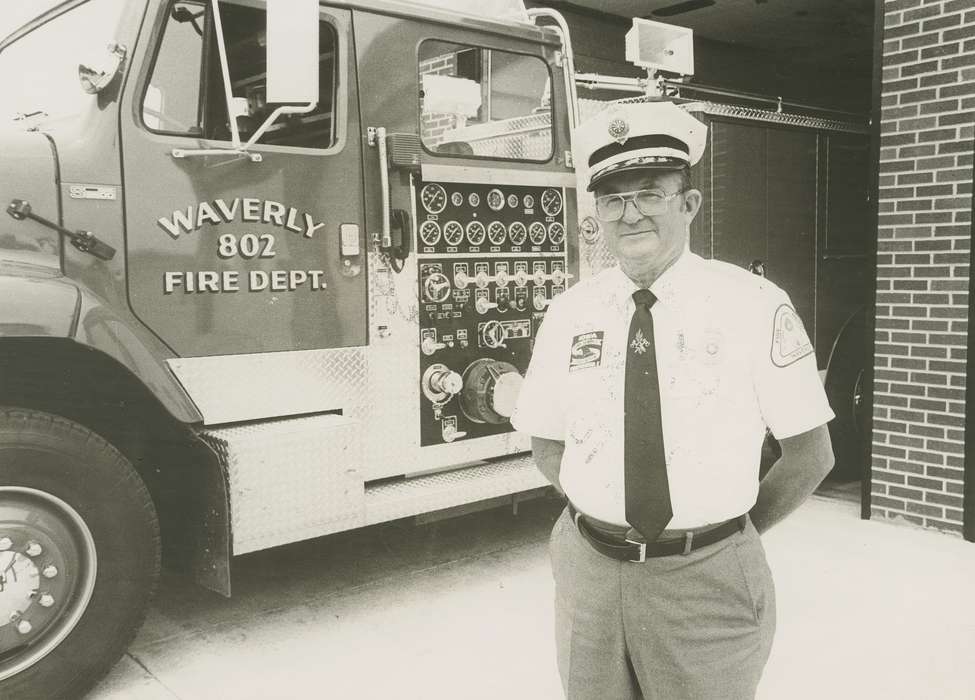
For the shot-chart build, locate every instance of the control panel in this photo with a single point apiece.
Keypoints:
(491, 258)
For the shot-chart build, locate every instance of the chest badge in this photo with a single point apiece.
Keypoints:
(587, 351)
(639, 342)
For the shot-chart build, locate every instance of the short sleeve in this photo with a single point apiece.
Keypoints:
(787, 383)
(540, 410)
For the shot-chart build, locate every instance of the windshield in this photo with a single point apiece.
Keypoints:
(39, 71)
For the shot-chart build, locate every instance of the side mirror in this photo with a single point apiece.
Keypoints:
(292, 51)
(96, 77)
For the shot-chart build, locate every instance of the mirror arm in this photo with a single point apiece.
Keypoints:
(225, 72)
(284, 109)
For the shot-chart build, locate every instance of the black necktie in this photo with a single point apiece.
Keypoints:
(648, 507)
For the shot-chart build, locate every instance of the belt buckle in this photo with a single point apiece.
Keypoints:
(643, 550)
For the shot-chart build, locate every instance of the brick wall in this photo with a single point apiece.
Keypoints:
(924, 236)
(434, 127)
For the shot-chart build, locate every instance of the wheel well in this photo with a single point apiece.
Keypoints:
(62, 377)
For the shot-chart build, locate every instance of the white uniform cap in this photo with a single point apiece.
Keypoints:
(639, 136)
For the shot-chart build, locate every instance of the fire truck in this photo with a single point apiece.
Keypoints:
(270, 270)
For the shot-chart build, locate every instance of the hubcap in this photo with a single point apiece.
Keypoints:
(47, 575)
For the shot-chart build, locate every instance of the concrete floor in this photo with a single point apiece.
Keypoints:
(462, 609)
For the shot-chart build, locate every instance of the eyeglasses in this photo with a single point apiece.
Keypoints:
(610, 207)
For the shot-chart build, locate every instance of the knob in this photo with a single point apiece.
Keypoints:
(482, 279)
(520, 303)
(436, 287)
(521, 278)
(540, 303)
(439, 383)
(461, 280)
(559, 277)
(539, 278)
(447, 382)
(429, 346)
(483, 305)
(501, 279)
(493, 334)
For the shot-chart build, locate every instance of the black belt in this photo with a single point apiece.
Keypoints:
(625, 549)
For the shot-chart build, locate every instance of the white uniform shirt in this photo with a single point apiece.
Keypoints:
(732, 358)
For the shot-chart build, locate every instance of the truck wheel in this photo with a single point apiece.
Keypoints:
(844, 388)
(79, 556)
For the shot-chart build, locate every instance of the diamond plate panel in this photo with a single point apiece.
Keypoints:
(290, 480)
(433, 492)
(225, 387)
(519, 138)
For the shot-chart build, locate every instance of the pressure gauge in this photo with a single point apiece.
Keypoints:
(513, 201)
(475, 233)
(456, 198)
(517, 233)
(474, 199)
(495, 199)
(430, 233)
(537, 232)
(528, 200)
(496, 232)
(433, 197)
(453, 233)
(556, 233)
(551, 201)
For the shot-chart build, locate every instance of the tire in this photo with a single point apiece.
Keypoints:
(844, 388)
(89, 516)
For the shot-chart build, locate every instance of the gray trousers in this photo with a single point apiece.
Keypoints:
(683, 627)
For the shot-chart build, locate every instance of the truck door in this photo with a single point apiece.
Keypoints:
(229, 253)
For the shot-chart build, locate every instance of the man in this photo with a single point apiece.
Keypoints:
(647, 399)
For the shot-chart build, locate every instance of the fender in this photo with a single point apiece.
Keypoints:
(41, 303)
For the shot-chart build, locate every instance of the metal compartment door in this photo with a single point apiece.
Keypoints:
(226, 255)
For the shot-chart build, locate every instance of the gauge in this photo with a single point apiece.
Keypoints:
(537, 232)
(589, 228)
(495, 199)
(453, 233)
(513, 201)
(528, 200)
(556, 233)
(475, 233)
(433, 197)
(430, 232)
(517, 233)
(456, 198)
(551, 201)
(497, 232)
(474, 199)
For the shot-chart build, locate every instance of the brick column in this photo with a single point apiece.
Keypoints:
(924, 237)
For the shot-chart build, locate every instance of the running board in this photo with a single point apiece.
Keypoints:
(390, 500)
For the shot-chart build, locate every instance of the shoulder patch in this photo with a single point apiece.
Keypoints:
(789, 340)
(587, 351)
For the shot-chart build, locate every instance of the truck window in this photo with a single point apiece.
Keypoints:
(40, 70)
(486, 103)
(185, 94)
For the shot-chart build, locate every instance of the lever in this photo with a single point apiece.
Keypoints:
(84, 241)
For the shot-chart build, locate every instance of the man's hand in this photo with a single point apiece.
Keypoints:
(806, 460)
(548, 458)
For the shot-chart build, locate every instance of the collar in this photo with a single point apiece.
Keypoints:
(673, 283)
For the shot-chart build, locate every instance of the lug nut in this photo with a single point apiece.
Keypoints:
(33, 549)
(5, 544)
(24, 627)
(50, 571)
(46, 600)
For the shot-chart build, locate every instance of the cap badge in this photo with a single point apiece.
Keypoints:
(618, 130)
